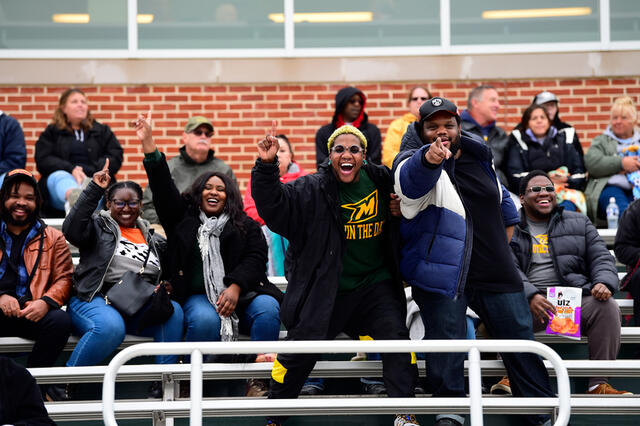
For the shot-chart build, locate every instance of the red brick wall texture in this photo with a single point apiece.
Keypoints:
(242, 114)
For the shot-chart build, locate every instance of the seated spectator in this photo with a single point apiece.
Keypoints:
(20, 400)
(35, 274)
(194, 158)
(627, 250)
(480, 117)
(112, 242)
(13, 153)
(350, 103)
(217, 256)
(339, 226)
(398, 127)
(613, 162)
(536, 145)
(579, 258)
(550, 103)
(72, 148)
(289, 171)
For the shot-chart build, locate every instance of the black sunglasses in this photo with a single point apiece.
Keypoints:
(548, 188)
(120, 204)
(422, 98)
(353, 149)
(199, 132)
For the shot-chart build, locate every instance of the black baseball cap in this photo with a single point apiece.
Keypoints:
(437, 104)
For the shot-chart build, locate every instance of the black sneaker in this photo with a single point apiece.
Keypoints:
(374, 389)
(310, 390)
(60, 392)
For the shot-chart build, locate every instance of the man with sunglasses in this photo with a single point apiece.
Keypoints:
(194, 158)
(350, 103)
(35, 274)
(456, 226)
(480, 117)
(555, 247)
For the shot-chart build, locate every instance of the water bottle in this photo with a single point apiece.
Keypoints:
(613, 212)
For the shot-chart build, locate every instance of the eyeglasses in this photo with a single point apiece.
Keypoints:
(199, 132)
(536, 189)
(353, 149)
(421, 98)
(355, 100)
(120, 204)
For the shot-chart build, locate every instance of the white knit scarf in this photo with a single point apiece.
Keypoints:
(213, 269)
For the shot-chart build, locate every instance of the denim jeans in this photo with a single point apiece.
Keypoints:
(58, 183)
(506, 316)
(260, 319)
(102, 329)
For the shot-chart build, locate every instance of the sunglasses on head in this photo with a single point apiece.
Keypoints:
(120, 204)
(353, 149)
(20, 172)
(548, 188)
(199, 132)
(421, 98)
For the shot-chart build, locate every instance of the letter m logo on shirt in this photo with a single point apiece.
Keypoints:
(363, 210)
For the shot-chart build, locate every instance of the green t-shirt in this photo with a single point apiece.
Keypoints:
(363, 212)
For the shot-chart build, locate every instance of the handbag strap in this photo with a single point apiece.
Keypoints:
(146, 258)
(629, 275)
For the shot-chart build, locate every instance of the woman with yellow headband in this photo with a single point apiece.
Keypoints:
(343, 272)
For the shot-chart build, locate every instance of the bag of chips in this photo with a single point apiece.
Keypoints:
(566, 321)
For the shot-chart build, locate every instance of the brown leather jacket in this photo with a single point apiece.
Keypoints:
(52, 280)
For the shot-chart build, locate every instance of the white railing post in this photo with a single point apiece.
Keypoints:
(475, 387)
(196, 388)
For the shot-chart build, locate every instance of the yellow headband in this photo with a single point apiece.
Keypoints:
(347, 129)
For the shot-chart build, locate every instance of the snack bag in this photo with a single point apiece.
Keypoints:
(567, 301)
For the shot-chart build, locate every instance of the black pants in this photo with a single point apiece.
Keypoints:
(370, 311)
(50, 333)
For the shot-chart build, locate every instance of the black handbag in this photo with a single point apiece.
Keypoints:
(132, 292)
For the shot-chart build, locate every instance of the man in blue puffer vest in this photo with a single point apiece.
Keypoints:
(456, 226)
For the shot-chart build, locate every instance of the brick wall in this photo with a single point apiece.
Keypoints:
(242, 114)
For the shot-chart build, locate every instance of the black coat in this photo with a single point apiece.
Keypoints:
(20, 399)
(580, 256)
(244, 252)
(370, 131)
(526, 155)
(306, 212)
(53, 152)
(96, 236)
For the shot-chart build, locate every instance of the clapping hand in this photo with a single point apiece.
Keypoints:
(102, 178)
(437, 153)
(269, 146)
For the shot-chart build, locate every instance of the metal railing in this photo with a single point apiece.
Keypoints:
(472, 347)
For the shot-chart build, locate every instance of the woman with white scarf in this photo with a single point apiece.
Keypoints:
(217, 255)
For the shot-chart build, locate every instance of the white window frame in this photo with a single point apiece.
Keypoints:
(290, 51)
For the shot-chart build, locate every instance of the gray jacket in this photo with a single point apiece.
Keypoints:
(184, 171)
(580, 256)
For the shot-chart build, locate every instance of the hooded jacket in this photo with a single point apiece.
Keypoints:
(13, 152)
(526, 154)
(393, 138)
(307, 212)
(559, 124)
(244, 254)
(183, 172)
(580, 256)
(370, 131)
(497, 140)
(96, 235)
(602, 161)
(436, 228)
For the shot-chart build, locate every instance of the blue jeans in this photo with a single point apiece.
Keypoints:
(260, 319)
(58, 183)
(102, 329)
(623, 199)
(506, 316)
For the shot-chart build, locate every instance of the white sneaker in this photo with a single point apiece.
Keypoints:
(405, 420)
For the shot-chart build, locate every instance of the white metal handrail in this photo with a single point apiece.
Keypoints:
(473, 347)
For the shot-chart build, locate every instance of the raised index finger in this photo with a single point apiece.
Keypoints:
(106, 165)
(273, 128)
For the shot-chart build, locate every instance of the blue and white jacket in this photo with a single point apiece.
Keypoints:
(436, 227)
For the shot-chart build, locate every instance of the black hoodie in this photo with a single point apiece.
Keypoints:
(370, 131)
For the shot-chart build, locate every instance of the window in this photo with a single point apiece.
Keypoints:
(625, 20)
(524, 21)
